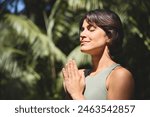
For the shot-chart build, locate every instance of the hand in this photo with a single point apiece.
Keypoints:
(74, 80)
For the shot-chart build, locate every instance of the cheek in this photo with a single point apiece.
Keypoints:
(98, 38)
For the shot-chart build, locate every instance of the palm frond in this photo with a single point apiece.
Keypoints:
(8, 65)
(85, 4)
(32, 35)
(59, 23)
(40, 43)
(23, 26)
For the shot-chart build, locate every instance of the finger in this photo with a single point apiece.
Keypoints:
(75, 68)
(68, 69)
(82, 78)
(71, 70)
(65, 75)
(74, 65)
(82, 75)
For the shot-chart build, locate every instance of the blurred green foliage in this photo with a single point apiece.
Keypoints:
(36, 42)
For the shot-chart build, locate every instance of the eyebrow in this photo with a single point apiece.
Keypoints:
(89, 25)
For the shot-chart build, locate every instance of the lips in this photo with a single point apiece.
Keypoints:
(84, 42)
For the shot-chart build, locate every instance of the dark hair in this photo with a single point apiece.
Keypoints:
(111, 24)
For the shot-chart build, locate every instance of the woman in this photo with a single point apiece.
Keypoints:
(101, 36)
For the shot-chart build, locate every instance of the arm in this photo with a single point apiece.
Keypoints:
(120, 85)
(74, 81)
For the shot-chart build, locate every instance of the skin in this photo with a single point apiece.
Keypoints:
(94, 41)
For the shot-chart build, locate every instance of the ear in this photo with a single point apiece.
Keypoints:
(108, 40)
(109, 35)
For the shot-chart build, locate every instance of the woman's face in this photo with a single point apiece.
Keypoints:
(93, 39)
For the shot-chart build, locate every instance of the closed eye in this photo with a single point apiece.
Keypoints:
(91, 28)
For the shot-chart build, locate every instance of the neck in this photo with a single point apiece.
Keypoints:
(101, 61)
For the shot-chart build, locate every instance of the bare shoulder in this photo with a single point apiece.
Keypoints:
(121, 75)
(122, 72)
(120, 84)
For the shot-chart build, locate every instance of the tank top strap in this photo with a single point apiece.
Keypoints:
(113, 66)
(108, 70)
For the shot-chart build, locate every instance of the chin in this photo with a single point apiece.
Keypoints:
(84, 50)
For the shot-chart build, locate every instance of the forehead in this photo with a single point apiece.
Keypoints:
(88, 23)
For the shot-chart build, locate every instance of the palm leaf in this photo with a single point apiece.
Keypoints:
(30, 31)
(40, 43)
(59, 21)
(85, 4)
(8, 65)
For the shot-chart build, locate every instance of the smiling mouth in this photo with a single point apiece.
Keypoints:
(84, 43)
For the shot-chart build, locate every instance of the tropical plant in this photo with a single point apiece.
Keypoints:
(26, 49)
(32, 54)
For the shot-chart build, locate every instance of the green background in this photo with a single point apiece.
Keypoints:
(36, 42)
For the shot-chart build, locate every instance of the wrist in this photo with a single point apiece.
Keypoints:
(78, 97)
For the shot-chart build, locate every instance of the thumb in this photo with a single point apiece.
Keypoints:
(82, 74)
(83, 77)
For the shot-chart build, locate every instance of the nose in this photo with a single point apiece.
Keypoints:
(82, 35)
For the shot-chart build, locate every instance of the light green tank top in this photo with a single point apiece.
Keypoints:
(95, 88)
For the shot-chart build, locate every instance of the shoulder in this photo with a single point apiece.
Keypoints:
(121, 75)
(121, 81)
(121, 72)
